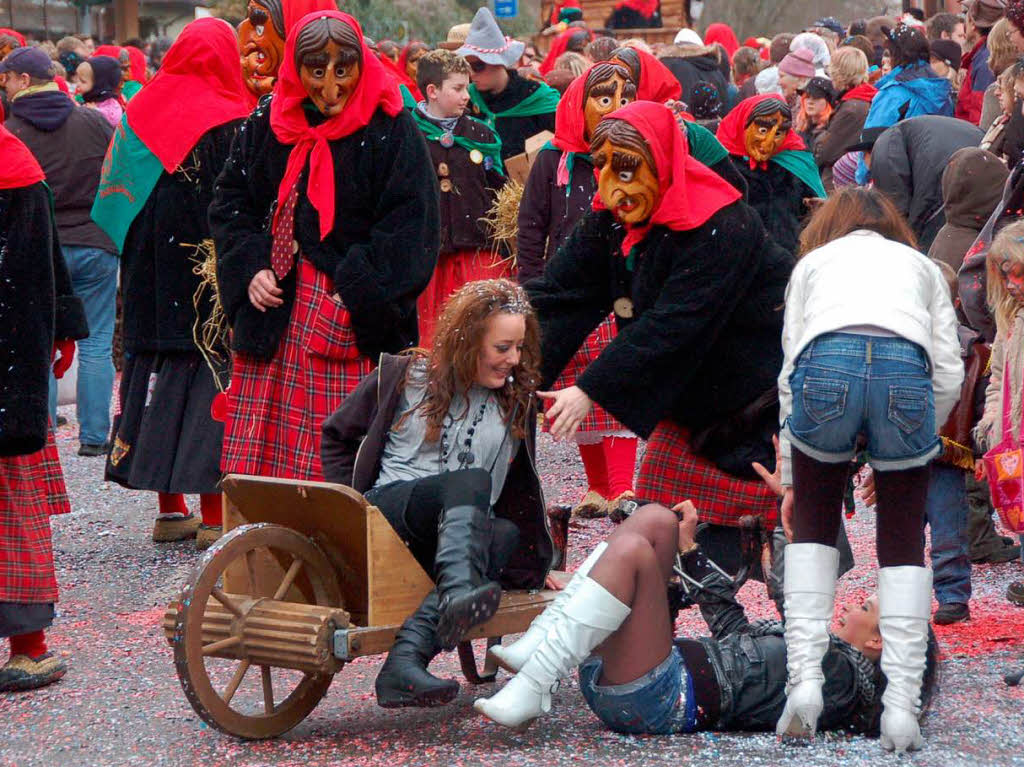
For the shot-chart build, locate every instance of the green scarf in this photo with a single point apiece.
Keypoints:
(801, 164)
(704, 147)
(408, 100)
(130, 172)
(433, 132)
(542, 101)
(129, 89)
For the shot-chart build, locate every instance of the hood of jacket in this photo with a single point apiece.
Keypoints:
(44, 110)
(972, 186)
(932, 91)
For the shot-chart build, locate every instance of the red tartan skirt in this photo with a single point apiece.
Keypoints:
(31, 489)
(599, 422)
(454, 270)
(276, 407)
(671, 473)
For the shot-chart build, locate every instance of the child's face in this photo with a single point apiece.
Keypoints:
(815, 107)
(84, 73)
(451, 98)
(1013, 274)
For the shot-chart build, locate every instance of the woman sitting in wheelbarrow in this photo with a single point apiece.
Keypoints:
(442, 444)
(642, 679)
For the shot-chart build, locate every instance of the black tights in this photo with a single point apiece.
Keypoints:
(818, 490)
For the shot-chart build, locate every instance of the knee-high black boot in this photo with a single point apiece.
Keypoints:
(403, 680)
(468, 596)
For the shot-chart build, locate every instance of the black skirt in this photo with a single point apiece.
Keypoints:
(165, 438)
(17, 618)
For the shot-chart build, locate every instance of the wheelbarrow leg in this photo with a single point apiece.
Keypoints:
(468, 662)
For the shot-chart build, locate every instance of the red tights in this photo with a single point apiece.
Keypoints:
(209, 506)
(33, 645)
(610, 465)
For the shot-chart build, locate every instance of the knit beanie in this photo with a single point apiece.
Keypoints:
(798, 63)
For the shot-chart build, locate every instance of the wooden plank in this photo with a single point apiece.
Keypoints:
(396, 584)
(517, 609)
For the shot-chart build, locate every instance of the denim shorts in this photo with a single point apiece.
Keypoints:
(660, 702)
(848, 386)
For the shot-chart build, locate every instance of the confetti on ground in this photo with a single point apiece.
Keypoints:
(121, 702)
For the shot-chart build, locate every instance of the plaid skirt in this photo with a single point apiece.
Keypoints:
(454, 270)
(31, 489)
(276, 407)
(599, 422)
(671, 473)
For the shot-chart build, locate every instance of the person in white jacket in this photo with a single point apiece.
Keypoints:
(872, 361)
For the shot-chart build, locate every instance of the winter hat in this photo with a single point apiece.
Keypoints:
(767, 81)
(821, 88)
(688, 37)
(486, 42)
(830, 22)
(817, 46)
(947, 51)
(28, 61)
(798, 63)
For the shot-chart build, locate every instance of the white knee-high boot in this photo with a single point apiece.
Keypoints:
(809, 587)
(904, 609)
(512, 657)
(588, 618)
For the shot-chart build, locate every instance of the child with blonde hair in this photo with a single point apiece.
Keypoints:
(1005, 286)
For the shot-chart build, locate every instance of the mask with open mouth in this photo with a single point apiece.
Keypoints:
(627, 179)
(261, 44)
(767, 128)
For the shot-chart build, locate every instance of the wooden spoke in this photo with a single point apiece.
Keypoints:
(236, 680)
(250, 570)
(223, 644)
(289, 578)
(268, 690)
(221, 597)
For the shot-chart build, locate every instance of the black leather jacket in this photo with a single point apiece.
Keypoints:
(749, 661)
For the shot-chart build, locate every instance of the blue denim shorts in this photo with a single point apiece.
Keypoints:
(660, 702)
(847, 386)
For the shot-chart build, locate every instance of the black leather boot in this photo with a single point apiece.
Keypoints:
(403, 680)
(468, 596)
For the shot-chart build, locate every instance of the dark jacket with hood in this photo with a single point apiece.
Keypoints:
(37, 306)
(158, 283)
(972, 186)
(70, 143)
(694, 64)
(748, 661)
(907, 163)
(514, 130)
(380, 254)
(703, 343)
(353, 443)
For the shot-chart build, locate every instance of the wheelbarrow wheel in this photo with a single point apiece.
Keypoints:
(268, 562)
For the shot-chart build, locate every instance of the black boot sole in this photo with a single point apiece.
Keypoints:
(442, 696)
(464, 611)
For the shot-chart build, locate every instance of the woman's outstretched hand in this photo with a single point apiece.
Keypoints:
(773, 480)
(568, 409)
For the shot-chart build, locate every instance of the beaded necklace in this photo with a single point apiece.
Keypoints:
(465, 456)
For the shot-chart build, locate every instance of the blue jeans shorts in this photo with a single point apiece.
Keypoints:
(660, 702)
(847, 386)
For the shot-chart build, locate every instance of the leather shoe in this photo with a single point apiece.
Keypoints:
(952, 612)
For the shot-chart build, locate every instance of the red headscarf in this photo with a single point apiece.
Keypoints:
(375, 90)
(570, 123)
(398, 72)
(558, 47)
(113, 51)
(20, 167)
(732, 128)
(690, 192)
(296, 10)
(138, 65)
(657, 83)
(199, 86)
(723, 35)
(13, 33)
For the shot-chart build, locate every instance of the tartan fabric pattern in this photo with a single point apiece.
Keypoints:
(599, 421)
(454, 270)
(671, 473)
(31, 489)
(276, 407)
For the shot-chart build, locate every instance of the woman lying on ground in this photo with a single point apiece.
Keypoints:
(641, 679)
(442, 444)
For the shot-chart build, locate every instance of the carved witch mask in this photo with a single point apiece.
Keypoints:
(609, 87)
(328, 56)
(767, 128)
(627, 179)
(261, 44)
